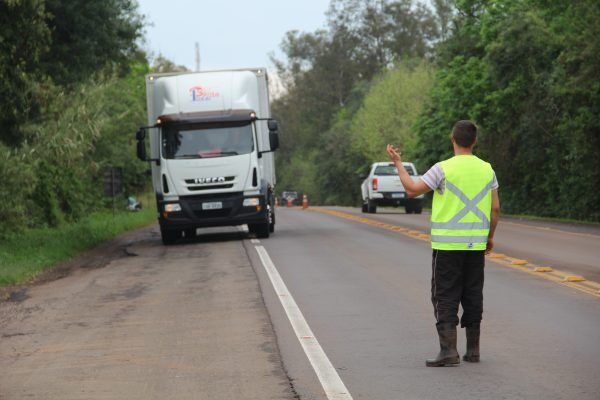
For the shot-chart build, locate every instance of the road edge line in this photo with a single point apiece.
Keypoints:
(330, 380)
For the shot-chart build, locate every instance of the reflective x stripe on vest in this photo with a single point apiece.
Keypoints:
(470, 205)
(454, 224)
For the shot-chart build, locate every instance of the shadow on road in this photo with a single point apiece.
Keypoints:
(214, 237)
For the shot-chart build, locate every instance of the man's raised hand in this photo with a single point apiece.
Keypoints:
(393, 153)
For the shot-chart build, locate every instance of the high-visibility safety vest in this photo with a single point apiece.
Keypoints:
(460, 217)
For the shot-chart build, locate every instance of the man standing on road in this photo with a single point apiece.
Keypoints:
(464, 216)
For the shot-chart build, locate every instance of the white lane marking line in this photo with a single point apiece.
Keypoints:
(328, 376)
(254, 241)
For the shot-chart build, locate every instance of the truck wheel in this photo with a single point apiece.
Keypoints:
(418, 210)
(261, 230)
(271, 219)
(371, 207)
(169, 236)
(364, 207)
(190, 233)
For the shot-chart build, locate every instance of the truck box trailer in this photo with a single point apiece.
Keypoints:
(211, 141)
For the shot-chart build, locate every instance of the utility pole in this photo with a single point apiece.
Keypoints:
(197, 57)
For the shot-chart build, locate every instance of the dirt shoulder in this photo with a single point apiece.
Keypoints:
(133, 319)
(97, 257)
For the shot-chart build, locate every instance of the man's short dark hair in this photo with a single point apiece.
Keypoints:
(464, 133)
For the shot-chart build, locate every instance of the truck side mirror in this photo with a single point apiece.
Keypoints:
(273, 135)
(274, 140)
(141, 145)
(363, 175)
(141, 150)
(273, 125)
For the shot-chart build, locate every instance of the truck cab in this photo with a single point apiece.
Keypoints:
(211, 142)
(382, 187)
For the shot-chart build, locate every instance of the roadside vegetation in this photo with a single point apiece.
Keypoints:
(73, 95)
(404, 71)
(23, 256)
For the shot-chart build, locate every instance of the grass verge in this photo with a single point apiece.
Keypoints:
(24, 256)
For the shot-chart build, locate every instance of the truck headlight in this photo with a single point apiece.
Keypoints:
(252, 201)
(172, 207)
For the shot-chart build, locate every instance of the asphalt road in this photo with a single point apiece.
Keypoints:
(365, 293)
(566, 246)
(202, 320)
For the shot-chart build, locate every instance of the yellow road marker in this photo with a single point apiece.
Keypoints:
(497, 255)
(560, 277)
(574, 278)
(519, 262)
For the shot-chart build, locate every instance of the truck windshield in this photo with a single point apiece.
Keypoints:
(215, 140)
(385, 170)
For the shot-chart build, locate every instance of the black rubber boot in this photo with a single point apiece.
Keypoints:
(472, 354)
(448, 354)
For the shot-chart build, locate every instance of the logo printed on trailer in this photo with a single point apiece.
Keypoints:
(202, 93)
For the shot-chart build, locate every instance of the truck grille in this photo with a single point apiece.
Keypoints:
(196, 188)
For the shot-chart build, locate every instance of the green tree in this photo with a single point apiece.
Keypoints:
(390, 110)
(88, 35)
(525, 71)
(325, 73)
(23, 41)
(161, 64)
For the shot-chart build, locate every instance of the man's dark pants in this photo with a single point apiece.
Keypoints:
(457, 278)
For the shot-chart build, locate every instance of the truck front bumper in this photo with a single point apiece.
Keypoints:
(192, 214)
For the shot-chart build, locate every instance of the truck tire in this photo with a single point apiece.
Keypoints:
(169, 236)
(408, 208)
(190, 233)
(271, 219)
(418, 210)
(364, 207)
(371, 207)
(261, 230)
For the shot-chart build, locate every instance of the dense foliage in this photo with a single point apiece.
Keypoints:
(525, 70)
(72, 97)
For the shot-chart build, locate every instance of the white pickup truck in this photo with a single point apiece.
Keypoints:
(382, 187)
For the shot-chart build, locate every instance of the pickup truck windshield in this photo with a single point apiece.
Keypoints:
(215, 140)
(388, 170)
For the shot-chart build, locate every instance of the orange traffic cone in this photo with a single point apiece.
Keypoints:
(276, 201)
(290, 202)
(304, 201)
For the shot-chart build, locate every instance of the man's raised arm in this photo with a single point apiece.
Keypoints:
(413, 189)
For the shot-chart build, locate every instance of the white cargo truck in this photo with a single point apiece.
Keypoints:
(382, 187)
(211, 142)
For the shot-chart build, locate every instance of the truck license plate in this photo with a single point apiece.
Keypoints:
(398, 195)
(215, 205)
